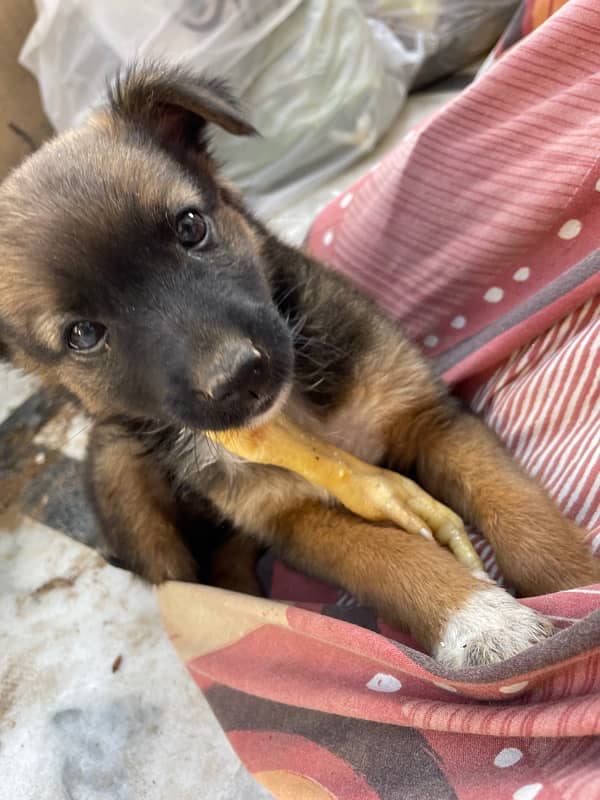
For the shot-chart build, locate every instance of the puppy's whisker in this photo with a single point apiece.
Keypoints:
(312, 342)
(315, 385)
(280, 299)
(196, 459)
(154, 431)
(212, 447)
(297, 326)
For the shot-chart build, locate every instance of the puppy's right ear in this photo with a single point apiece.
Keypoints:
(174, 106)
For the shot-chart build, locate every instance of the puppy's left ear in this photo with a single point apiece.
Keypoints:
(174, 105)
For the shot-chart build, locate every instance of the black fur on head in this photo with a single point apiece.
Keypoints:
(123, 235)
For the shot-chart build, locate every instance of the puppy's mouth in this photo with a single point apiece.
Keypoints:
(269, 406)
(245, 390)
(253, 410)
(251, 415)
(264, 404)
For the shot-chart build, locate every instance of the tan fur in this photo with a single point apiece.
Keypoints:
(243, 239)
(390, 388)
(255, 496)
(47, 330)
(362, 557)
(134, 493)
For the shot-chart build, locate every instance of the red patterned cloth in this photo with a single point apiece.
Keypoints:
(320, 708)
(480, 234)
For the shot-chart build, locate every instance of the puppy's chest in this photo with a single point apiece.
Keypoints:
(353, 428)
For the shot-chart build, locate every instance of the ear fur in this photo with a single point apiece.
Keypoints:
(174, 105)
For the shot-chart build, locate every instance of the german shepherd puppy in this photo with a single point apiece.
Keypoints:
(134, 277)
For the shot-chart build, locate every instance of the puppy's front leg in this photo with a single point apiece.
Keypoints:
(463, 464)
(233, 565)
(136, 509)
(414, 584)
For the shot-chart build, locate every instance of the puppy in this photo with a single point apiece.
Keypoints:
(134, 277)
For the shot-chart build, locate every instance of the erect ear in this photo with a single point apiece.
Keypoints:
(175, 105)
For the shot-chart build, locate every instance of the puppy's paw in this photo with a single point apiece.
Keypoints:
(175, 566)
(491, 627)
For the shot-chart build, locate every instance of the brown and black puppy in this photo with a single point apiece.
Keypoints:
(134, 277)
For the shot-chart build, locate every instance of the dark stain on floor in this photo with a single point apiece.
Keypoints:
(39, 481)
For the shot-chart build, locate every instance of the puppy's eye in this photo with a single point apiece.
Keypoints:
(86, 336)
(191, 228)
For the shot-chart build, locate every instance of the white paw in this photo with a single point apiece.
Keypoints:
(492, 626)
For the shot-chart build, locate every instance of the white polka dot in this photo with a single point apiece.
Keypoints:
(522, 274)
(493, 295)
(430, 341)
(508, 757)
(459, 322)
(570, 229)
(513, 688)
(445, 686)
(346, 200)
(597, 187)
(328, 238)
(381, 682)
(528, 792)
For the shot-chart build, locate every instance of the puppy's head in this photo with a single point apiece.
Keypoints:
(130, 273)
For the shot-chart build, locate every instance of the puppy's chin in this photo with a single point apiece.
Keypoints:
(272, 408)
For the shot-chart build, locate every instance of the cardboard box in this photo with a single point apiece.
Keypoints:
(23, 124)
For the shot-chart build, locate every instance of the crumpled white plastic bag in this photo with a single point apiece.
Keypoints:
(321, 80)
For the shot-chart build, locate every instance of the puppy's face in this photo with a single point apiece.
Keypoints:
(131, 276)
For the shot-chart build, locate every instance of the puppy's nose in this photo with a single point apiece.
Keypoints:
(239, 373)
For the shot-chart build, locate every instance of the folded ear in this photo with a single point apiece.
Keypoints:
(174, 105)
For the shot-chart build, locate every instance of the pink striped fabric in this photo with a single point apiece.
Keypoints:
(544, 402)
(478, 230)
(548, 413)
